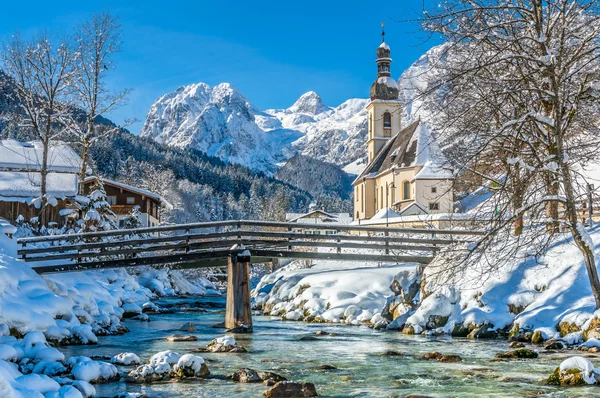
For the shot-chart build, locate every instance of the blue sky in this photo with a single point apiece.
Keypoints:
(272, 51)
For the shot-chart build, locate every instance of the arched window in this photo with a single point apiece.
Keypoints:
(387, 120)
(381, 197)
(406, 190)
(357, 215)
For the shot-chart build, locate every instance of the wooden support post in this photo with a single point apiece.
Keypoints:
(387, 243)
(238, 315)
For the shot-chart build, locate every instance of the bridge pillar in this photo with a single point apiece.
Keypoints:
(238, 315)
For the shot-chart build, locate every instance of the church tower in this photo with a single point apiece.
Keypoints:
(385, 107)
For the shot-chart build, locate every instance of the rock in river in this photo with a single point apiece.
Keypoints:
(521, 353)
(291, 389)
(188, 327)
(182, 337)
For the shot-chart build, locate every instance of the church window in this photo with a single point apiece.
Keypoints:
(434, 206)
(387, 120)
(433, 189)
(381, 197)
(406, 190)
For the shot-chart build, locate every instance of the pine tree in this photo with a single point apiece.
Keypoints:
(97, 211)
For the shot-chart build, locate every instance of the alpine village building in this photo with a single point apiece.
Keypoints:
(406, 173)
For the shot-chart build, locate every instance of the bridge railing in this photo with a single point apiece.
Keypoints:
(203, 242)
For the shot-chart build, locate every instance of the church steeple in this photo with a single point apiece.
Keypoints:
(385, 108)
(384, 88)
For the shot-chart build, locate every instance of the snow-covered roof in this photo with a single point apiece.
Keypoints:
(307, 218)
(388, 81)
(384, 45)
(414, 207)
(127, 187)
(413, 146)
(27, 156)
(385, 212)
(6, 227)
(19, 186)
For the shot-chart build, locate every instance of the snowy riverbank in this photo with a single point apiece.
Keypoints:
(550, 295)
(75, 307)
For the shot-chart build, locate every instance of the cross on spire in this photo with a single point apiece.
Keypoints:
(382, 33)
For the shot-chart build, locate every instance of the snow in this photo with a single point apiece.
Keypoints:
(19, 156)
(222, 122)
(388, 81)
(385, 213)
(39, 383)
(169, 357)
(32, 303)
(16, 186)
(93, 370)
(189, 361)
(384, 45)
(226, 340)
(331, 290)
(584, 365)
(126, 358)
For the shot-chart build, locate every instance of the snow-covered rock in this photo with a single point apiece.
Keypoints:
(575, 371)
(126, 358)
(190, 366)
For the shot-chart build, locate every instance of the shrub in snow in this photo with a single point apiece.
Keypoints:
(126, 358)
(190, 366)
(575, 371)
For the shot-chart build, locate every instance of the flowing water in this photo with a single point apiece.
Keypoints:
(361, 371)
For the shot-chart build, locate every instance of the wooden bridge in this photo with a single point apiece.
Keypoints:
(235, 244)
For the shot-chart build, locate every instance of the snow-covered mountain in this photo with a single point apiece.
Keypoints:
(222, 122)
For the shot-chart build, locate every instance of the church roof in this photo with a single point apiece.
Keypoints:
(412, 146)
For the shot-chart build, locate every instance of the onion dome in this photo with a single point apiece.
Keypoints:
(384, 88)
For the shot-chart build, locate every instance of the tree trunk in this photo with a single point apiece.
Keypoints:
(82, 172)
(580, 240)
(43, 182)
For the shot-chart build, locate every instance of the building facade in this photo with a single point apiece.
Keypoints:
(406, 170)
(123, 198)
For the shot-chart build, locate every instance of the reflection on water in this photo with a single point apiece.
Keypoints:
(356, 352)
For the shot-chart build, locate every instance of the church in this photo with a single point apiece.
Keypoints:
(406, 173)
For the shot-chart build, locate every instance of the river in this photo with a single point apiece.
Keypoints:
(356, 351)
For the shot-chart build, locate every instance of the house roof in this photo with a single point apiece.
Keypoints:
(27, 156)
(20, 186)
(416, 205)
(412, 146)
(338, 218)
(131, 188)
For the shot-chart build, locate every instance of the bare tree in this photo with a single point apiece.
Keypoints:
(41, 69)
(518, 80)
(97, 40)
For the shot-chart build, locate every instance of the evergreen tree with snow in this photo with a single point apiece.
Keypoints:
(97, 211)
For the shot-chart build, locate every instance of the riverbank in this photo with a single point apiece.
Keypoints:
(548, 296)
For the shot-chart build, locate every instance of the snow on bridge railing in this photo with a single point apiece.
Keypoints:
(248, 223)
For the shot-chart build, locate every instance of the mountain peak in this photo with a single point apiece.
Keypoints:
(310, 103)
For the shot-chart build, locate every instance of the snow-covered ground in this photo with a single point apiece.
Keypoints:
(75, 306)
(330, 291)
(533, 294)
(72, 308)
